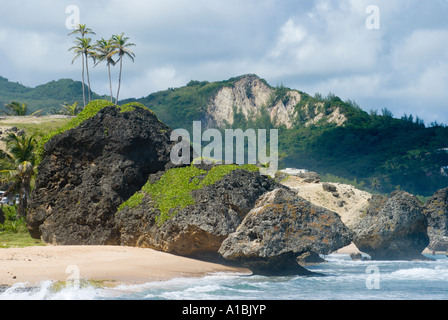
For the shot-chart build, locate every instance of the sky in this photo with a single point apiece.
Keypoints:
(382, 54)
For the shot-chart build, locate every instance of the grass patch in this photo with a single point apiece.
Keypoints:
(173, 191)
(18, 240)
(41, 126)
(13, 232)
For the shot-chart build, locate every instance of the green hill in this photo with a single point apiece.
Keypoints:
(47, 97)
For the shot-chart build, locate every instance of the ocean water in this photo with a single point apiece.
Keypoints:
(341, 279)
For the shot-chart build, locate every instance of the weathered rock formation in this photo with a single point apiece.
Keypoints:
(198, 228)
(281, 227)
(393, 228)
(436, 211)
(88, 171)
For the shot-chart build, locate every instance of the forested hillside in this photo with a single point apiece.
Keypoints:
(47, 97)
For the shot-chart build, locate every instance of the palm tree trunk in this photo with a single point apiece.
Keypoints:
(88, 76)
(21, 207)
(110, 84)
(83, 85)
(119, 79)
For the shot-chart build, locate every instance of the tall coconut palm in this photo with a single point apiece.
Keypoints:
(120, 46)
(18, 169)
(83, 47)
(103, 50)
(83, 31)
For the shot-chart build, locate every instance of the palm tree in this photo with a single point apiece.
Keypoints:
(120, 47)
(18, 169)
(103, 53)
(15, 108)
(86, 51)
(71, 110)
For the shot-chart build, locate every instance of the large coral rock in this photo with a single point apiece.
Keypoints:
(216, 210)
(281, 227)
(393, 228)
(88, 171)
(436, 211)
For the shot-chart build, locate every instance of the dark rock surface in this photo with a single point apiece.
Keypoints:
(281, 227)
(88, 171)
(198, 228)
(2, 216)
(436, 211)
(329, 187)
(394, 228)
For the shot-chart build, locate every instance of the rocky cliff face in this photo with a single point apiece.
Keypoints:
(87, 172)
(251, 96)
(436, 210)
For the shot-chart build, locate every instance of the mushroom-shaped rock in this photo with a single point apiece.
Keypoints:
(394, 228)
(280, 228)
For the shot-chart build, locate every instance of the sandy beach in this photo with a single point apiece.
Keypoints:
(116, 265)
(113, 265)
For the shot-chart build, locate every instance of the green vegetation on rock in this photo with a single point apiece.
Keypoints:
(88, 112)
(173, 191)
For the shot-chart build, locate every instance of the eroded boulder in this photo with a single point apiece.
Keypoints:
(281, 227)
(88, 171)
(436, 211)
(393, 228)
(211, 211)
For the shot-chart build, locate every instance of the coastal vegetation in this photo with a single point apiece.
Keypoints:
(83, 48)
(172, 191)
(17, 172)
(13, 231)
(18, 168)
(103, 51)
(15, 108)
(71, 110)
(88, 112)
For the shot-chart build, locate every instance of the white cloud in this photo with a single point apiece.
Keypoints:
(152, 80)
(314, 46)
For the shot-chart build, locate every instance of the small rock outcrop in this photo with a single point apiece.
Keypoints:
(88, 171)
(393, 228)
(281, 227)
(215, 211)
(436, 211)
(309, 177)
